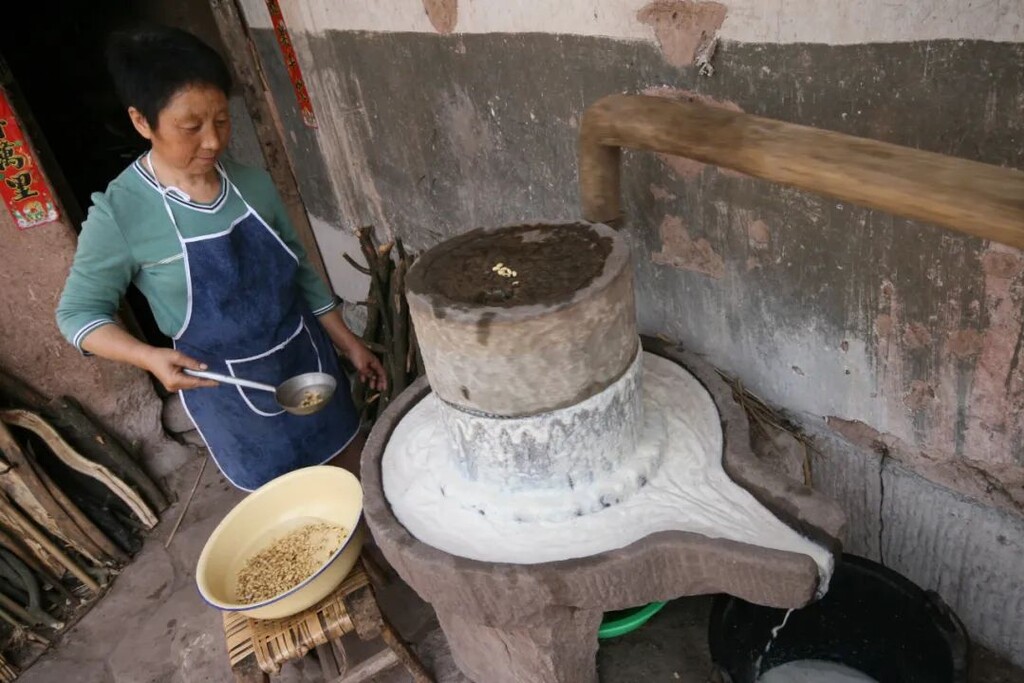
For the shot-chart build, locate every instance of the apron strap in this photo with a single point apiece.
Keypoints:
(234, 188)
(164, 191)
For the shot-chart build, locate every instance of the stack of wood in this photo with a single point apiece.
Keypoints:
(389, 332)
(73, 504)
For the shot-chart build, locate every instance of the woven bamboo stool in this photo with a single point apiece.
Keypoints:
(258, 648)
(7, 672)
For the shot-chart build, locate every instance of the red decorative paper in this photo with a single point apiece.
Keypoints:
(22, 184)
(291, 61)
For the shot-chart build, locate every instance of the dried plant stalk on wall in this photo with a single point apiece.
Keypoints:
(389, 332)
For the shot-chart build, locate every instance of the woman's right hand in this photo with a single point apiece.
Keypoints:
(168, 364)
(113, 343)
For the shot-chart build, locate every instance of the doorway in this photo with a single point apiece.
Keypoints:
(59, 67)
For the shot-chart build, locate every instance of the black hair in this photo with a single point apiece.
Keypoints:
(149, 65)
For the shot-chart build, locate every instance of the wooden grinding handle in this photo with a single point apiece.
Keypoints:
(974, 198)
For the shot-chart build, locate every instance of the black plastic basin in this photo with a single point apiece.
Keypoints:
(872, 619)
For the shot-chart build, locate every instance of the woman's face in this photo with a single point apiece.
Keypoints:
(192, 129)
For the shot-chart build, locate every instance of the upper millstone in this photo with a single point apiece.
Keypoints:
(523, 320)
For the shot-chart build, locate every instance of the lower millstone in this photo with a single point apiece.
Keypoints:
(565, 449)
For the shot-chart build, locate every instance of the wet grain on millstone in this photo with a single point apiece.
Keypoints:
(550, 262)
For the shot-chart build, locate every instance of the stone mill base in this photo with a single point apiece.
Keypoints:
(538, 623)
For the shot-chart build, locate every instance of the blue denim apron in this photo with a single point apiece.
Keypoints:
(246, 317)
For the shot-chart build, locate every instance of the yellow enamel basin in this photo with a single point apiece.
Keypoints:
(305, 496)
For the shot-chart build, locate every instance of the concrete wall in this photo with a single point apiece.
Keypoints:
(892, 340)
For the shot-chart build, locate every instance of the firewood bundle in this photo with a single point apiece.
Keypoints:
(389, 332)
(72, 505)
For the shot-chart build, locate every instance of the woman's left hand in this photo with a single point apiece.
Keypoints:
(371, 372)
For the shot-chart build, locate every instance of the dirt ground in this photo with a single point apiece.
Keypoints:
(152, 626)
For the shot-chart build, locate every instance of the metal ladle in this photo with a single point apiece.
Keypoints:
(289, 394)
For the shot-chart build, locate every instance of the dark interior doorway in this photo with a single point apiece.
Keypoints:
(57, 59)
(60, 70)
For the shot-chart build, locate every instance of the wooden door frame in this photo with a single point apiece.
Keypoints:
(259, 101)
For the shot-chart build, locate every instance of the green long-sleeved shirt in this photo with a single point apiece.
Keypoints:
(128, 238)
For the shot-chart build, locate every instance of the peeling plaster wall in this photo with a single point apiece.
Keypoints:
(898, 340)
(753, 21)
(33, 266)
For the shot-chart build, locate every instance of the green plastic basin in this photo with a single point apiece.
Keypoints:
(620, 623)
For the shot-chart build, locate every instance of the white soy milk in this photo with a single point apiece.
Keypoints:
(814, 671)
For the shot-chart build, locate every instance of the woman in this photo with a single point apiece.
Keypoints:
(209, 243)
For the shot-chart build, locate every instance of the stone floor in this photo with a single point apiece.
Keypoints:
(152, 627)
